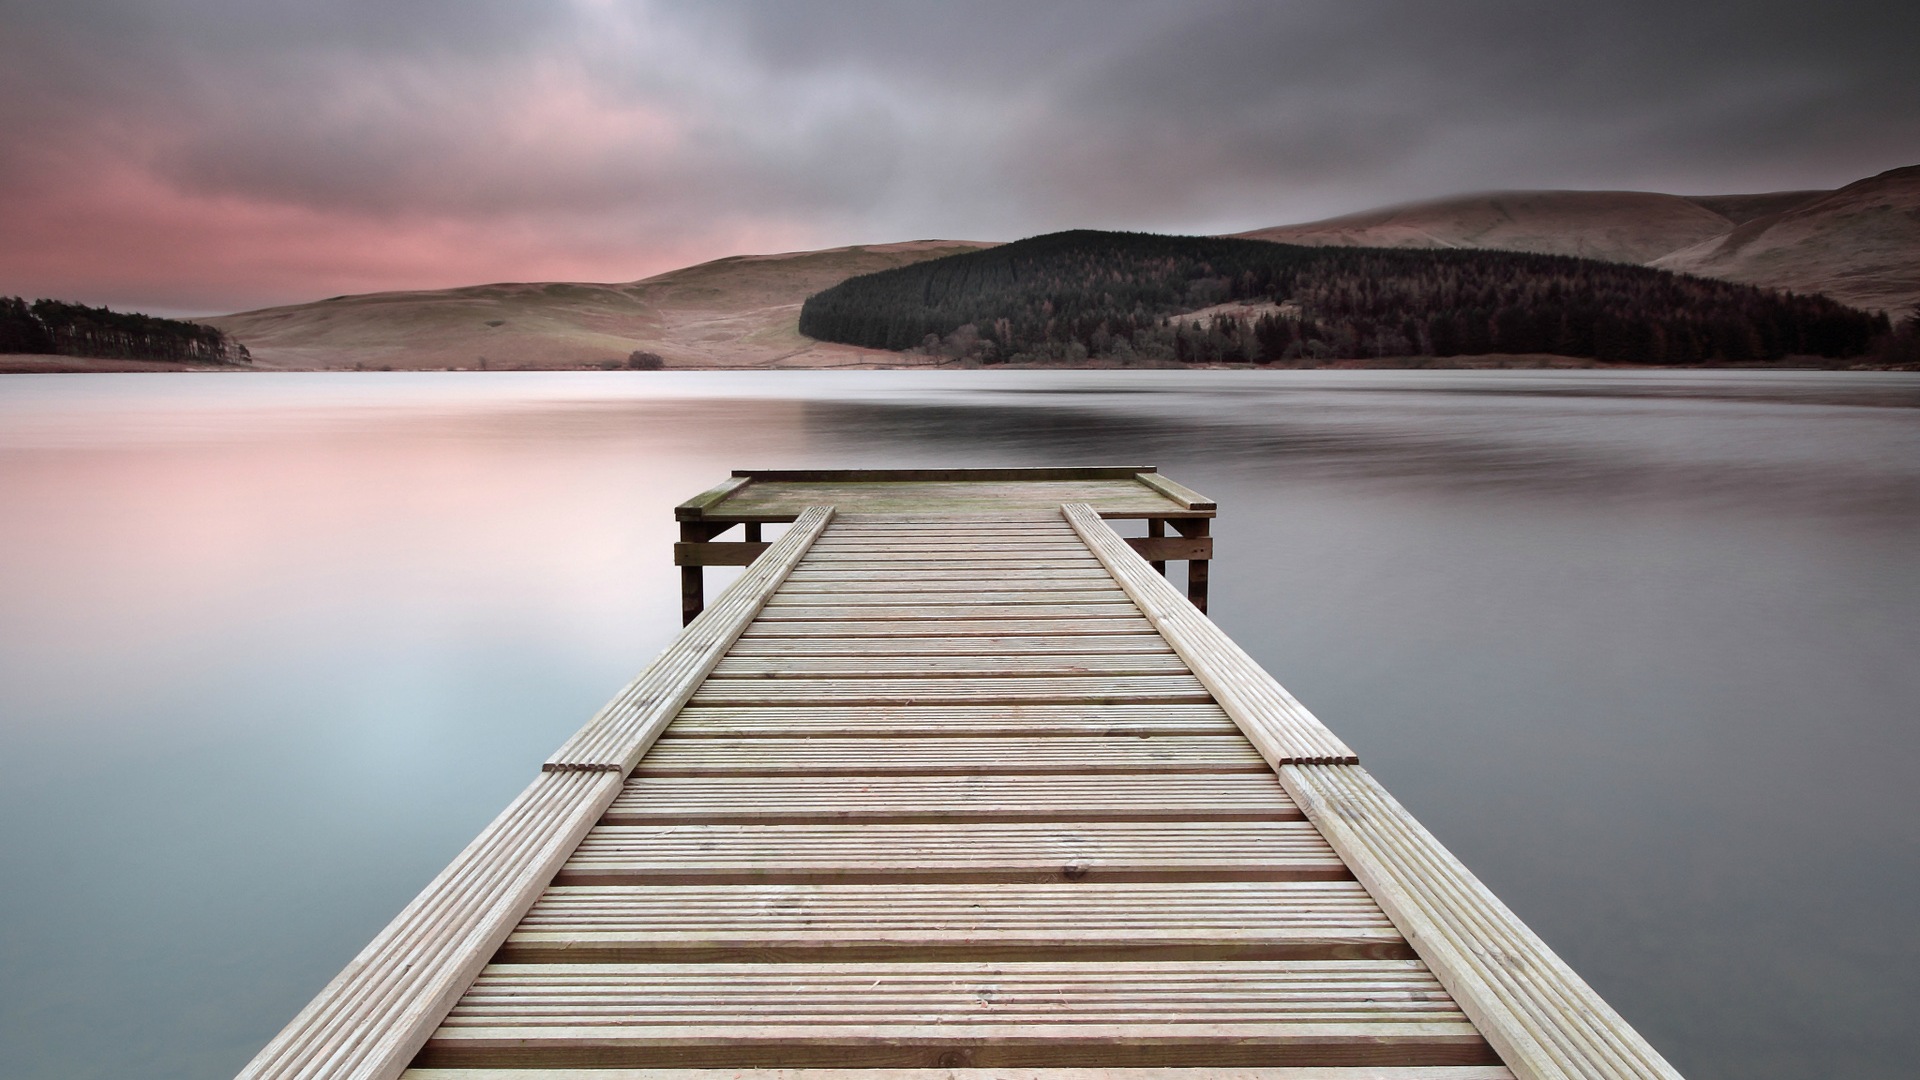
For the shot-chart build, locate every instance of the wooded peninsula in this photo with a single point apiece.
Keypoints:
(1070, 296)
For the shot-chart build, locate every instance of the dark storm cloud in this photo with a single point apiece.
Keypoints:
(224, 152)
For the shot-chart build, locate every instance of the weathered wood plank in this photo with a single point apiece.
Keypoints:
(865, 667)
(1019, 474)
(1546, 1022)
(1172, 1073)
(718, 552)
(1185, 496)
(956, 690)
(1294, 920)
(1278, 724)
(1074, 627)
(1250, 1012)
(980, 594)
(977, 851)
(831, 755)
(910, 798)
(1163, 548)
(697, 506)
(943, 587)
(622, 730)
(927, 611)
(766, 498)
(1144, 643)
(950, 721)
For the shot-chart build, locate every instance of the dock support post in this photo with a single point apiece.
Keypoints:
(693, 586)
(1157, 527)
(1196, 568)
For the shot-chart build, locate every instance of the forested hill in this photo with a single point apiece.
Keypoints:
(1066, 296)
(56, 327)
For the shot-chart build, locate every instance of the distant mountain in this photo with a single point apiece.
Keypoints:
(1859, 245)
(735, 312)
(1618, 226)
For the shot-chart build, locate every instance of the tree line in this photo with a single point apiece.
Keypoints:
(59, 328)
(1070, 295)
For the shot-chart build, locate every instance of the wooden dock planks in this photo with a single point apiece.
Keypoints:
(953, 785)
(867, 819)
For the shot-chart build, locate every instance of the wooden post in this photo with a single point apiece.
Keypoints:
(1196, 568)
(693, 588)
(1157, 527)
(752, 529)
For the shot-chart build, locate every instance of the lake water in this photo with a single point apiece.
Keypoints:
(1641, 648)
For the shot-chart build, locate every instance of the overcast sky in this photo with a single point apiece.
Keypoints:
(202, 156)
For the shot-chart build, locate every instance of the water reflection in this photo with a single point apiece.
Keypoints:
(272, 648)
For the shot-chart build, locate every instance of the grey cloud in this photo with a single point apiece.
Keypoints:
(881, 119)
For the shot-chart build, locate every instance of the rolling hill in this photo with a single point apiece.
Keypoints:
(1859, 245)
(1618, 226)
(736, 312)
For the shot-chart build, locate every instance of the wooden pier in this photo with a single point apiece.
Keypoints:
(953, 782)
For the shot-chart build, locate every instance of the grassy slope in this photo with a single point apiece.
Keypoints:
(735, 312)
(1859, 245)
(1618, 226)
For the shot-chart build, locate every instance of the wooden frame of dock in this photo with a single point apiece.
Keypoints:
(953, 782)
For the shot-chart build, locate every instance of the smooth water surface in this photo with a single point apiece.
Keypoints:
(1639, 647)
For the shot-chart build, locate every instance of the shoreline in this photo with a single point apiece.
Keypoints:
(34, 364)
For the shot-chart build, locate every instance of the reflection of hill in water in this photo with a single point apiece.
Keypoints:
(1665, 437)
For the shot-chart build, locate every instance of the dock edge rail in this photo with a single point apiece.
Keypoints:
(379, 1011)
(1539, 1015)
(1285, 732)
(373, 1017)
(620, 733)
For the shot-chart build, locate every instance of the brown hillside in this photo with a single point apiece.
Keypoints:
(735, 312)
(1618, 226)
(1741, 209)
(1859, 245)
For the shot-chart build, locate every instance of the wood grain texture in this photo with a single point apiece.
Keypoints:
(1212, 1073)
(1033, 646)
(1278, 724)
(956, 690)
(869, 626)
(909, 798)
(1069, 665)
(938, 721)
(934, 755)
(1545, 1021)
(1288, 920)
(1180, 493)
(970, 851)
(1285, 1011)
(957, 499)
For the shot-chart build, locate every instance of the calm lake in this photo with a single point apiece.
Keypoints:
(1640, 647)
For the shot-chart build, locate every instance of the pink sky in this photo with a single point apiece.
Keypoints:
(206, 156)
